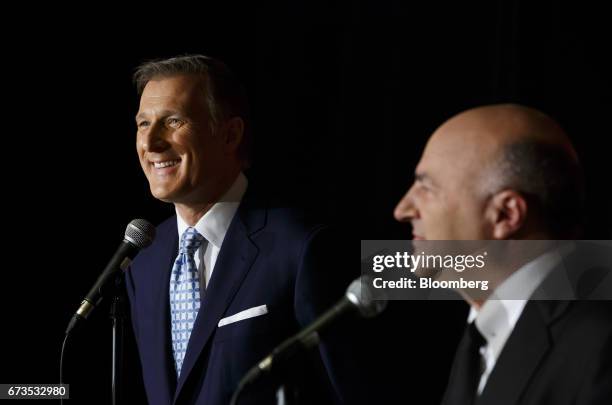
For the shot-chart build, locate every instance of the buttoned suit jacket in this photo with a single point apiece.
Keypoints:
(272, 256)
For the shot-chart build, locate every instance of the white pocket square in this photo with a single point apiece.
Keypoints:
(246, 314)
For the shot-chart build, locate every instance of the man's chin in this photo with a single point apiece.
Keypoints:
(163, 194)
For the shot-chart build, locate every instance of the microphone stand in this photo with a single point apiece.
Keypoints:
(288, 385)
(287, 394)
(117, 314)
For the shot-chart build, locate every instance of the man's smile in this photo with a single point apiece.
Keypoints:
(165, 163)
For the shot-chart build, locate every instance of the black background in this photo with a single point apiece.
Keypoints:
(344, 97)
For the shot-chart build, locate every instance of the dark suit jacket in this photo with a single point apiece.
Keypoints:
(560, 352)
(270, 256)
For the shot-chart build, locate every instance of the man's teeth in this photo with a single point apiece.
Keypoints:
(168, 163)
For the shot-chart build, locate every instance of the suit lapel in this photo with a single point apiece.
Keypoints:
(161, 266)
(236, 257)
(523, 353)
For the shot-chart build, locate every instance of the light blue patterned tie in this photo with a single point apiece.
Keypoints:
(184, 294)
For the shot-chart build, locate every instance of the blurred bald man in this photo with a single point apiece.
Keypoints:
(505, 172)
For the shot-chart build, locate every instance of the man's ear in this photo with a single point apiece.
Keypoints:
(507, 213)
(234, 130)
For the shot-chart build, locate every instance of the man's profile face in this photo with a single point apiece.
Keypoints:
(446, 201)
(178, 152)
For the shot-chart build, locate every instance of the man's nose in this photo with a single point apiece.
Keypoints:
(405, 209)
(154, 139)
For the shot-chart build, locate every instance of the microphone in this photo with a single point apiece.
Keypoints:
(359, 296)
(138, 235)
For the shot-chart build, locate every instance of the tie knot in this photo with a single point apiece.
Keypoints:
(191, 240)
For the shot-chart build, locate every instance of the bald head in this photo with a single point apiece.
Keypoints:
(495, 126)
(507, 154)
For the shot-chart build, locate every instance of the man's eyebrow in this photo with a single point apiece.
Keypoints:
(423, 177)
(161, 114)
(420, 176)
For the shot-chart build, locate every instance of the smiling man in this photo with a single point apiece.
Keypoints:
(230, 276)
(508, 172)
(188, 159)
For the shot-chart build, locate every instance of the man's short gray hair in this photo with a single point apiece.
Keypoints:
(225, 96)
(551, 178)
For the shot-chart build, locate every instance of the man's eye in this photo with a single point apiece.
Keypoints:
(142, 124)
(422, 186)
(174, 122)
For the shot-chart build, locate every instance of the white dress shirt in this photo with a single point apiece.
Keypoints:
(499, 314)
(213, 226)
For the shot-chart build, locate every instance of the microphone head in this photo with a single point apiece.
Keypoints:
(361, 293)
(140, 233)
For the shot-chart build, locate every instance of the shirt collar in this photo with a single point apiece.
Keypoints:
(499, 314)
(495, 320)
(214, 224)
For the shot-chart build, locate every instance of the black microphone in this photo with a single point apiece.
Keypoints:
(359, 296)
(138, 235)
